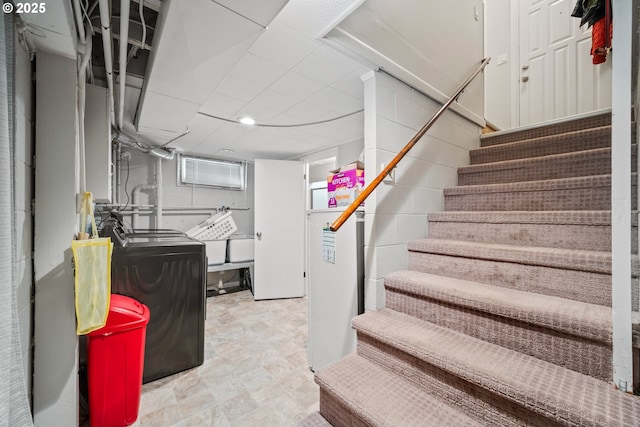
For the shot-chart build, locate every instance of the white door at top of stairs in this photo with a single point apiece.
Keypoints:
(556, 76)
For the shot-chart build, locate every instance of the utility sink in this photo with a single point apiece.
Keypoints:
(240, 248)
(216, 251)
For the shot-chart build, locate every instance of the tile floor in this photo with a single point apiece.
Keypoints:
(255, 373)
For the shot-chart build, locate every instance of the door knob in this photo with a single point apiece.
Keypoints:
(259, 235)
(525, 79)
(525, 67)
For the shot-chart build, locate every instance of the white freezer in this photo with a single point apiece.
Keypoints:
(335, 271)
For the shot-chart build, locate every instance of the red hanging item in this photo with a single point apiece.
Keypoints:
(601, 37)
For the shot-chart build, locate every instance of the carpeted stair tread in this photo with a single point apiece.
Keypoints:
(570, 259)
(314, 419)
(378, 397)
(587, 182)
(580, 163)
(585, 286)
(571, 334)
(584, 139)
(545, 129)
(586, 230)
(589, 193)
(565, 396)
(601, 217)
(577, 318)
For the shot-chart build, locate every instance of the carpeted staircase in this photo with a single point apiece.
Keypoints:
(503, 317)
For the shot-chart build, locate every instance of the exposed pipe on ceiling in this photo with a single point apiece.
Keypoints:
(144, 24)
(105, 23)
(122, 73)
(84, 48)
(78, 15)
(82, 96)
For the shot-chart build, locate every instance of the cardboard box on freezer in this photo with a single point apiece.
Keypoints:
(345, 184)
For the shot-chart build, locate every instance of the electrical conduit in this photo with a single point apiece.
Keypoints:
(122, 73)
(82, 91)
(78, 15)
(105, 23)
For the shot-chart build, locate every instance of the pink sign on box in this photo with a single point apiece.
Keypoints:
(345, 184)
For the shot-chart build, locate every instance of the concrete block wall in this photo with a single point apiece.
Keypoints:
(397, 212)
(142, 171)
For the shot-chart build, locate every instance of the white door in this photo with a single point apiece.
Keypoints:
(279, 229)
(556, 76)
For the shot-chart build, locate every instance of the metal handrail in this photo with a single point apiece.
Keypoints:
(378, 179)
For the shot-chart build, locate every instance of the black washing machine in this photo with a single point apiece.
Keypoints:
(167, 272)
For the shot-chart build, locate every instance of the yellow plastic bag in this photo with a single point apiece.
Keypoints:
(92, 258)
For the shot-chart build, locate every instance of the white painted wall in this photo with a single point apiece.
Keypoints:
(142, 171)
(344, 154)
(499, 104)
(397, 213)
(22, 201)
(349, 152)
(55, 398)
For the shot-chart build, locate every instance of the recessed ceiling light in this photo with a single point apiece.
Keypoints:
(247, 121)
(226, 151)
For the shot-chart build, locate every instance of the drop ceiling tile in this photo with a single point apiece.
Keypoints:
(275, 155)
(267, 105)
(254, 69)
(296, 86)
(326, 65)
(351, 124)
(281, 45)
(260, 11)
(350, 107)
(303, 113)
(246, 144)
(200, 128)
(352, 83)
(207, 150)
(259, 114)
(222, 105)
(261, 139)
(52, 29)
(228, 133)
(197, 82)
(200, 42)
(167, 113)
(312, 18)
(305, 145)
(274, 100)
(149, 135)
(333, 99)
(239, 88)
(324, 131)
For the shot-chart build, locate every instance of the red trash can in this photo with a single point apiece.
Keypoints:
(115, 360)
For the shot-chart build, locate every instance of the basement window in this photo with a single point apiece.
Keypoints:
(212, 173)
